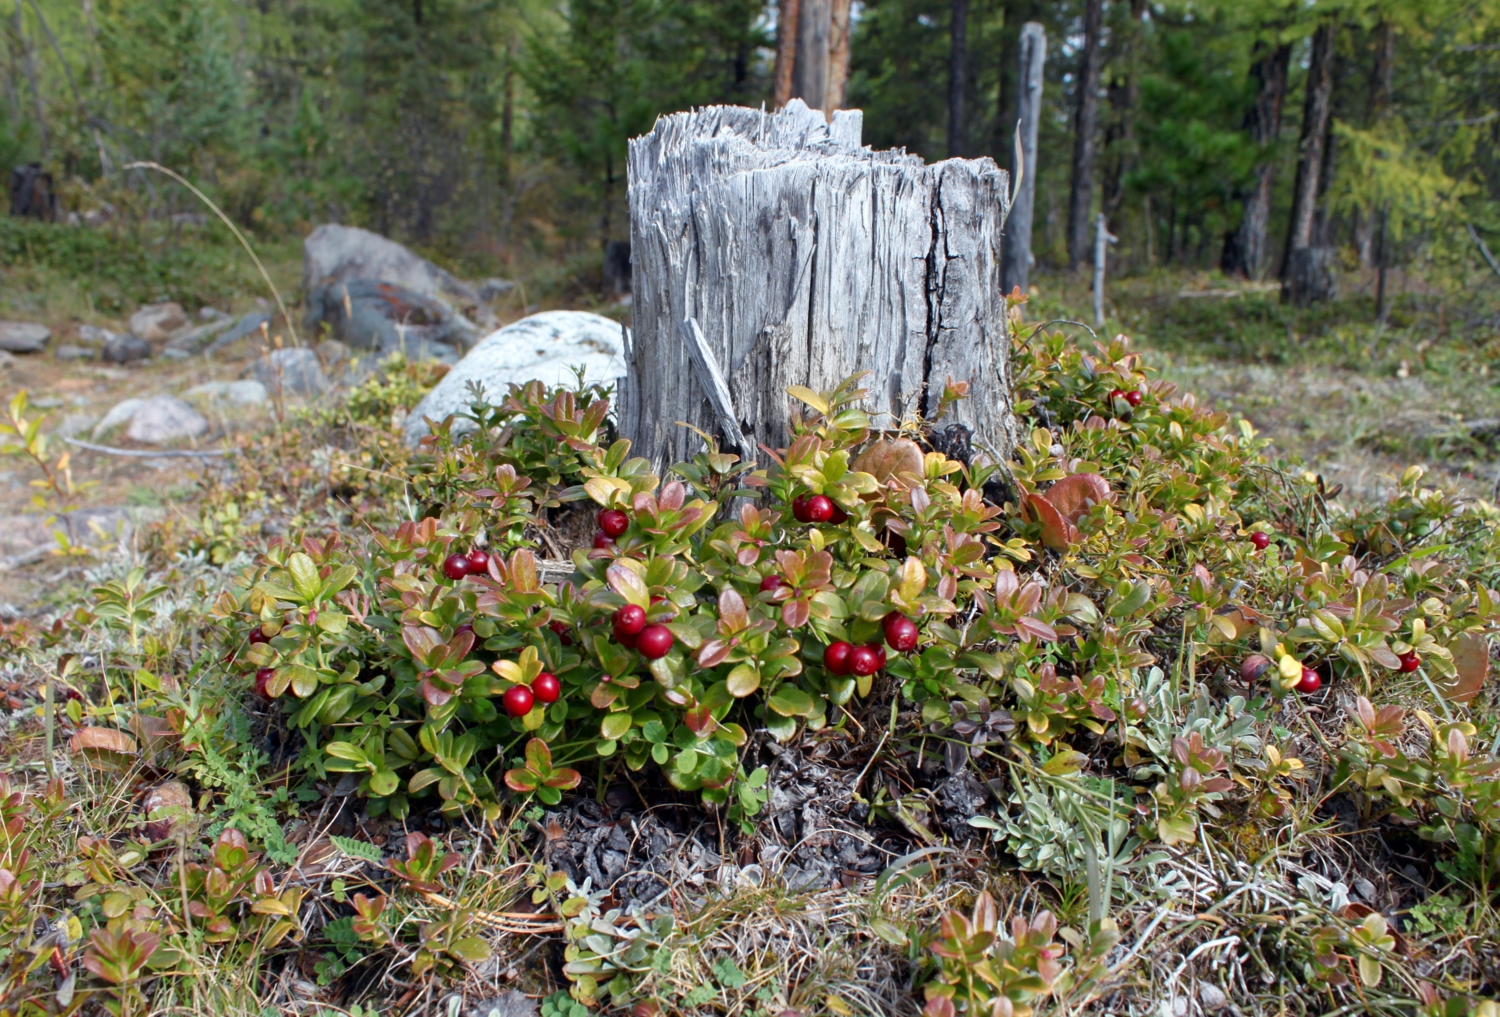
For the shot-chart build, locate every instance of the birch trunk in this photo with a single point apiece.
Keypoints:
(804, 258)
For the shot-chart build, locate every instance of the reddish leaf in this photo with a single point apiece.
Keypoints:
(1072, 496)
(1057, 532)
(104, 747)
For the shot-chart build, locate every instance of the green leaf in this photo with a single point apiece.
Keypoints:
(615, 726)
(304, 575)
(742, 681)
(357, 849)
(471, 950)
(790, 701)
(384, 782)
(303, 680)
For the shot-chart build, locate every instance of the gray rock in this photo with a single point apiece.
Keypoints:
(385, 318)
(7, 361)
(192, 340)
(158, 322)
(94, 334)
(1211, 996)
(242, 393)
(510, 1004)
(248, 325)
(165, 418)
(119, 414)
(74, 424)
(491, 290)
(125, 349)
(67, 351)
(544, 347)
(23, 336)
(333, 254)
(293, 371)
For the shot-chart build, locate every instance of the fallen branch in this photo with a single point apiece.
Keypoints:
(1483, 248)
(139, 454)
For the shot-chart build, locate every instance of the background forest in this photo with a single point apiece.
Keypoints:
(493, 132)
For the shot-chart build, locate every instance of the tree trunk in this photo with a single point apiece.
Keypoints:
(804, 258)
(1245, 249)
(1085, 123)
(958, 76)
(1124, 93)
(788, 17)
(1015, 256)
(1304, 284)
(810, 73)
(838, 55)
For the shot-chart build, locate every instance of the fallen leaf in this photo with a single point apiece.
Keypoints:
(887, 459)
(104, 747)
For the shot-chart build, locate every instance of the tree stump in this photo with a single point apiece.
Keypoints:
(771, 249)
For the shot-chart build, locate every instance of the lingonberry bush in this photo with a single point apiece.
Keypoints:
(1125, 625)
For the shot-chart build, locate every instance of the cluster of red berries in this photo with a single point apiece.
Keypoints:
(612, 523)
(846, 658)
(456, 566)
(651, 641)
(817, 508)
(519, 699)
(1133, 397)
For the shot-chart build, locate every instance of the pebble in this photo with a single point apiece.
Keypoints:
(165, 418)
(7, 361)
(119, 413)
(23, 336)
(1211, 996)
(68, 351)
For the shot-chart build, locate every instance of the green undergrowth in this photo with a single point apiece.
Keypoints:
(1203, 699)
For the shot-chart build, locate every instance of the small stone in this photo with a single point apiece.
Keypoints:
(164, 418)
(23, 336)
(1211, 996)
(67, 351)
(157, 322)
(492, 290)
(6, 361)
(94, 334)
(119, 413)
(242, 393)
(294, 371)
(74, 424)
(124, 349)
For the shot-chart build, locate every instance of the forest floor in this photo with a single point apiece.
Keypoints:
(794, 905)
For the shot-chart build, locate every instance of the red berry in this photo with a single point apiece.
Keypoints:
(654, 642)
(819, 509)
(1133, 397)
(900, 632)
(479, 561)
(461, 629)
(1116, 393)
(613, 522)
(262, 679)
(1309, 682)
(258, 635)
(836, 657)
(799, 508)
(1410, 662)
(879, 655)
(563, 632)
(629, 620)
(839, 515)
(518, 700)
(864, 661)
(546, 687)
(1260, 540)
(603, 541)
(455, 566)
(771, 582)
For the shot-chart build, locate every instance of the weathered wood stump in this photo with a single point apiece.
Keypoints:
(803, 258)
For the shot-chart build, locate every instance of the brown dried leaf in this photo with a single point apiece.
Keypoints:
(887, 459)
(104, 747)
